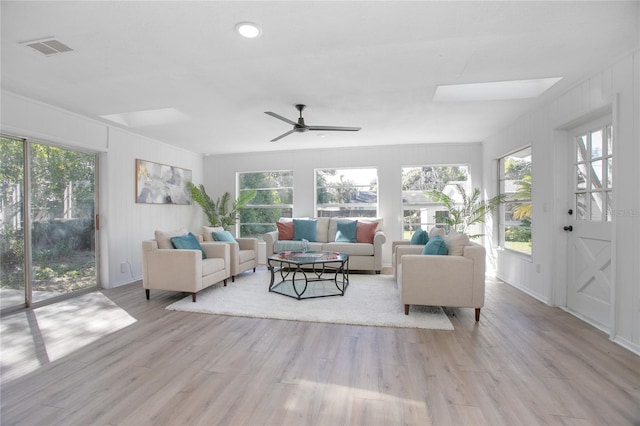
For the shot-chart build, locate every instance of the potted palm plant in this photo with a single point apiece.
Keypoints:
(471, 211)
(219, 212)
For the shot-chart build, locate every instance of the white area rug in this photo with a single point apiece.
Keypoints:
(371, 300)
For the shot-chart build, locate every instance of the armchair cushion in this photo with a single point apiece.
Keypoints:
(435, 246)
(223, 236)
(188, 242)
(163, 238)
(456, 242)
(420, 237)
(207, 232)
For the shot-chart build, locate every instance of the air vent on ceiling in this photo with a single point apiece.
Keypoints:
(48, 46)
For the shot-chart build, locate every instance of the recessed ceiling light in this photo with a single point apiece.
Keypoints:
(494, 91)
(248, 29)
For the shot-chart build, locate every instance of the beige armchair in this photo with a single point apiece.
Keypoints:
(165, 268)
(243, 252)
(452, 281)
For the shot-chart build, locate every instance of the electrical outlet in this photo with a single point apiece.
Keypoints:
(123, 267)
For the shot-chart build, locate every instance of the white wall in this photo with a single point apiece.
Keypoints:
(124, 224)
(616, 90)
(220, 173)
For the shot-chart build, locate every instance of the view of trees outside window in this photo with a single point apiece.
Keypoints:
(515, 182)
(347, 192)
(418, 209)
(62, 218)
(274, 199)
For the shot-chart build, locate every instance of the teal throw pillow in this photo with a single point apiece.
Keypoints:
(347, 232)
(304, 229)
(187, 242)
(223, 236)
(436, 245)
(420, 237)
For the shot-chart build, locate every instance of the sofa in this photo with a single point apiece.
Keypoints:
(243, 251)
(167, 268)
(453, 280)
(365, 252)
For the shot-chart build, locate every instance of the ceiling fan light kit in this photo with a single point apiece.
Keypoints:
(301, 127)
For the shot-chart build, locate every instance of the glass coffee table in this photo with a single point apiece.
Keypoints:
(309, 274)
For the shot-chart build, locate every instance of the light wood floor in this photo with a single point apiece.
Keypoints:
(524, 363)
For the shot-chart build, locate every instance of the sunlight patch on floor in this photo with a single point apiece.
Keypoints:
(35, 337)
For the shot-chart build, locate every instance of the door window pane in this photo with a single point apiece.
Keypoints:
(12, 279)
(581, 176)
(581, 206)
(596, 175)
(62, 228)
(596, 144)
(581, 149)
(596, 206)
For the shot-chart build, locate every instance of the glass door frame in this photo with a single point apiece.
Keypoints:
(27, 227)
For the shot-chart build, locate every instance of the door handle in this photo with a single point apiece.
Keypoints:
(568, 228)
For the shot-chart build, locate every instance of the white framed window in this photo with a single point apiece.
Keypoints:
(273, 200)
(418, 210)
(348, 192)
(515, 213)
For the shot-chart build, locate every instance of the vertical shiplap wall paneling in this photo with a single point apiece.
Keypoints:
(220, 171)
(129, 223)
(613, 89)
(626, 179)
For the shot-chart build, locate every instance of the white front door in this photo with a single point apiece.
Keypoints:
(588, 225)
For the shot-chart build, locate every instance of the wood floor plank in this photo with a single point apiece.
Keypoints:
(524, 363)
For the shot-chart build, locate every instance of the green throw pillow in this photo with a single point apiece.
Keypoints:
(420, 237)
(223, 236)
(187, 242)
(347, 232)
(436, 245)
(304, 229)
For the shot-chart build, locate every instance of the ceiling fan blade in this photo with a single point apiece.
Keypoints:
(334, 128)
(283, 135)
(279, 117)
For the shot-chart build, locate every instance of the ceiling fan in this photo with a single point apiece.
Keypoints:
(300, 127)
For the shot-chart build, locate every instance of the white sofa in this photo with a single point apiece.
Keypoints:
(362, 256)
(445, 280)
(166, 268)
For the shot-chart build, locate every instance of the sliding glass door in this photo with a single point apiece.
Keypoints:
(47, 222)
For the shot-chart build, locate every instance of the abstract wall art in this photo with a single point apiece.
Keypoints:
(161, 184)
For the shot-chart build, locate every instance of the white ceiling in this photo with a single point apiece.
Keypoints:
(375, 65)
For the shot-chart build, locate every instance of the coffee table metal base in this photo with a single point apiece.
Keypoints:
(308, 281)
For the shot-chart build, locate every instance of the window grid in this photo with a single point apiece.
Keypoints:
(593, 177)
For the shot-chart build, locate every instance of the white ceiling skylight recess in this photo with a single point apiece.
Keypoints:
(150, 117)
(494, 91)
